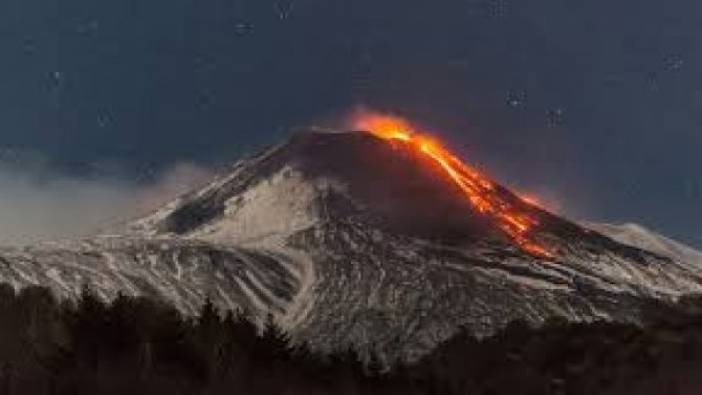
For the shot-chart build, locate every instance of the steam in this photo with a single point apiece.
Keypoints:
(36, 204)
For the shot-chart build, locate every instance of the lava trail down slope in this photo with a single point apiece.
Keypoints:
(351, 239)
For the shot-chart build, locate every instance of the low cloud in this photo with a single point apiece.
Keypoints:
(37, 205)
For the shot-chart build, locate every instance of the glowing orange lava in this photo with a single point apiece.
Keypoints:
(478, 189)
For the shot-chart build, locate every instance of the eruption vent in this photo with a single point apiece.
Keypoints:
(482, 193)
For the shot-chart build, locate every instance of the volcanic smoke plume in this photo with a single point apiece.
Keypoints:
(480, 191)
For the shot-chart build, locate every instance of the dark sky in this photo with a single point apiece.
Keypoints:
(594, 105)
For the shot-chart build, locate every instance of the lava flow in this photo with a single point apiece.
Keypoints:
(478, 189)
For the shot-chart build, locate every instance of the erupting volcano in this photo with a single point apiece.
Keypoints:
(382, 241)
(478, 189)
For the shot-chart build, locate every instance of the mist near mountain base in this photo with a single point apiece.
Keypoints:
(39, 204)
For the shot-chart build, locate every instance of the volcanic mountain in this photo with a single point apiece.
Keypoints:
(354, 239)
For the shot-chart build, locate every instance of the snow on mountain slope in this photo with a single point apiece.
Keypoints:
(352, 240)
(400, 258)
(179, 271)
(640, 237)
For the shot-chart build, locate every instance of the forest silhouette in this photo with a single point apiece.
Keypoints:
(141, 346)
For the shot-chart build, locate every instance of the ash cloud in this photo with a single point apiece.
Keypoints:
(39, 204)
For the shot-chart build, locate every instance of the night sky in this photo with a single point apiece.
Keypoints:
(594, 106)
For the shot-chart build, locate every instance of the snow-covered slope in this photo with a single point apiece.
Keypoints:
(640, 237)
(182, 272)
(351, 240)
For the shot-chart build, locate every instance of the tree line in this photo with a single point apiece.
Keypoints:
(135, 345)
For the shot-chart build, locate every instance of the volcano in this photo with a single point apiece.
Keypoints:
(366, 240)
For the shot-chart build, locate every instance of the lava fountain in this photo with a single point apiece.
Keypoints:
(480, 191)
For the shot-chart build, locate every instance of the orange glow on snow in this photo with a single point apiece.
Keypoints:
(534, 201)
(478, 189)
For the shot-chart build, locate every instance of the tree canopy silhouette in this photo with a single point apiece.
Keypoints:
(141, 346)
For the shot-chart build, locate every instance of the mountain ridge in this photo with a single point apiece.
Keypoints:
(639, 236)
(350, 240)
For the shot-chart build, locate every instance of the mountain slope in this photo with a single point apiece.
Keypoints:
(348, 239)
(640, 237)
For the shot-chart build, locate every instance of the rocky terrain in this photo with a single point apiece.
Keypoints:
(347, 239)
